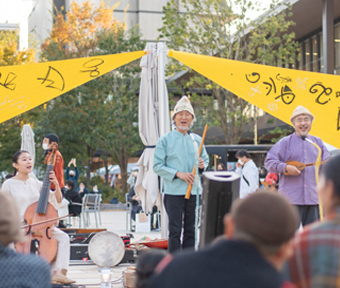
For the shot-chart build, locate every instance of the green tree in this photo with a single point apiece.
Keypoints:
(10, 131)
(114, 116)
(75, 36)
(101, 114)
(221, 28)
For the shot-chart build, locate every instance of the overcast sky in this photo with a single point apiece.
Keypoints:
(17, 11)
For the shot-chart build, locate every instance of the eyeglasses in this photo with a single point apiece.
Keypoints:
(303, 119)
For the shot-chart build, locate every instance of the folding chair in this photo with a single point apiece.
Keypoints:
(92, 205)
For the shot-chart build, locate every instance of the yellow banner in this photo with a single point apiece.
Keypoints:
(278, 91)
(24, 87)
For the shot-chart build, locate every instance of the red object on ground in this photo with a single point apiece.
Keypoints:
(160, 244)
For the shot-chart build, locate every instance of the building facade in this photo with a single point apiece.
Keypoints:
(147, 14)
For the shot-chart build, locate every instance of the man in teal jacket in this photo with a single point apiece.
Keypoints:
(175, 155)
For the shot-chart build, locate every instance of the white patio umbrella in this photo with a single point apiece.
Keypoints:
(154, 121)
(28, 143)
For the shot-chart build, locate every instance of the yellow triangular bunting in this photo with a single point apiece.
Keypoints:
(24, 87)
(277, 91)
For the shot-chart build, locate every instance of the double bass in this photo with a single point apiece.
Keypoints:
(41, 217)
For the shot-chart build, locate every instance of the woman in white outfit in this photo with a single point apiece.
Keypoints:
(25, 191)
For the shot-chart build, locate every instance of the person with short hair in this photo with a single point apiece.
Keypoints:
(175, 155)
(146, 264)
(315, 261)
(73, 196)
(249, 173)
(18, 270)
(83, 190)
(258, 233)
(95, 189)
(49, 140)
(298, 186)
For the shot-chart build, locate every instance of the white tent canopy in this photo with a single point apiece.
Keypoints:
(115, 169)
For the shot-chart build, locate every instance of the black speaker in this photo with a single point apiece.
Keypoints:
(220, 189)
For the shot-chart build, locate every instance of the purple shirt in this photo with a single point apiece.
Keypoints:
(301, 190)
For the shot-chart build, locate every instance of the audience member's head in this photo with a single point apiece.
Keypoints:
(69, 184)
(329, 185)
(242, 153)
(266, 220)
(146, 265)
(10, 230)
(221, 167)
(242, 156)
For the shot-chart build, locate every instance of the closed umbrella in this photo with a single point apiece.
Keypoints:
(154, 121)
(28, 143)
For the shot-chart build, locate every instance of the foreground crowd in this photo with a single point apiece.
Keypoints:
(261, 246)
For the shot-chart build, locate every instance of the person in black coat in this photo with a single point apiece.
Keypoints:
(135, 203)
(257, 242)
(73, 196)
(83, 190)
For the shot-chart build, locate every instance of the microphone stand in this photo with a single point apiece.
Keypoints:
(317, 165)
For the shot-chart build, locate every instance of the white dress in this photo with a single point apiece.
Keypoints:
(26, 193)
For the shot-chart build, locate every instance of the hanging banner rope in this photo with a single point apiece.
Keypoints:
(24, 87)
(278, 91)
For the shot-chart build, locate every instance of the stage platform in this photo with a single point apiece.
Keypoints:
(86, 273)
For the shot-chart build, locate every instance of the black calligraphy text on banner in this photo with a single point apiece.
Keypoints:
(276, 90)
(24, 87)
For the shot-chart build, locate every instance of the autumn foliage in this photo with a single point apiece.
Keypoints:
(75, 31)
(9, 52)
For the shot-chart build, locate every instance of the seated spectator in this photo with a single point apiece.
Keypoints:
(135, 203)
(72, 174)
(83, 190)
(258, 234)
(73, 197)
(132, 178)
(18, 270)
(315, 261)
(95, 189)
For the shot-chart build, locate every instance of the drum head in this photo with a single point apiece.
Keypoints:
(106, 249)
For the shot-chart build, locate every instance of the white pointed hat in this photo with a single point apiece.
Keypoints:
(184, 104)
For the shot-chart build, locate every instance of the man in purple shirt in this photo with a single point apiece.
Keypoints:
(298, 186)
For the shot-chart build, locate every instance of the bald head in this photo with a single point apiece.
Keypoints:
(265, 218)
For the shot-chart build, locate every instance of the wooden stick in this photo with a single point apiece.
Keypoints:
(45, 221)
(188, 193)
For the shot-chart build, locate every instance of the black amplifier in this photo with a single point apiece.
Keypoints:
(79, 252)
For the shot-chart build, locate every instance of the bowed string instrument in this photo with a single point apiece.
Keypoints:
(41, 217)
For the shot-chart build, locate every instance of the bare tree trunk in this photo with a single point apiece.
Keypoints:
(89, 165)
(123, 161)
(106, 170)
